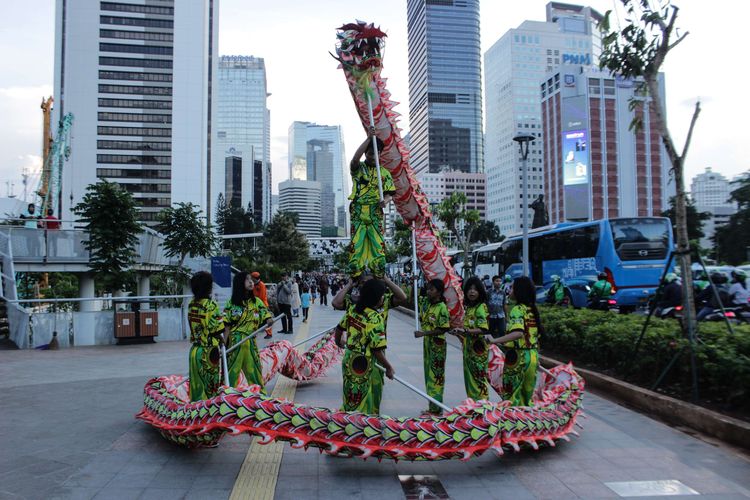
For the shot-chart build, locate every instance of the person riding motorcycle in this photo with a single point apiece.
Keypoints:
(671, 295)
(738, 292)
(507, 284)
(707, 297)
(558, 294)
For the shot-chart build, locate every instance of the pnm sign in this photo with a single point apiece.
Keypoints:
(576, 59)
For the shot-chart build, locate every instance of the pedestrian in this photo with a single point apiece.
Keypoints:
(434, 322)
(33, 241)
(496, 301)
(30, 217)
(206, 335)
(521, 344)
(259, 288)
(361, 333)
(314, 290)
(50, 223)
(284, 300)
(323, 289)
(305, 300)
(295, 296)
(243, 314)
(367, 247)
(475, 351)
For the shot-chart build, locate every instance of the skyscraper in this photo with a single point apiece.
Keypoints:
(138, 79)
(445, 86)
(242, 130)
(302, 198)
(710, 192)
(316, 153)
(515, 67)
(595, 167)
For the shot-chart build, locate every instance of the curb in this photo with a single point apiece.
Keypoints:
(666, 409)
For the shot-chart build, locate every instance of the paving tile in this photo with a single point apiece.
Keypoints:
(89, 480)
(163, 494)
(167, 480)
(119, 494)
(129, 481)
(73, 493)
(214, 494)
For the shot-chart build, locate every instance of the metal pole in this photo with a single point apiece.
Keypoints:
(414, 275)
(252, 335)
(375, 148)
(225, 366)
(408, 385)
(312, 337)
(525, 212)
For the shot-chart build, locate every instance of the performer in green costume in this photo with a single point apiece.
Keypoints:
(365, 344)
(475, 351)
(522, 345)
(434, 322)
(243, 314)
(367, 248)
(206, 329)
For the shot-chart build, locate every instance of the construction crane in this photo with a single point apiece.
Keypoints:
(54, 153)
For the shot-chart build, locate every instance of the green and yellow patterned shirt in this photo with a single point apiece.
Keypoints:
(364, 332)
(206, 322)
(365, 181)
(476, 317)
(522, 318)
(433, 316)
(246, 318)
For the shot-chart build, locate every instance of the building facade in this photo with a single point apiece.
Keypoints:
(515, 66)
(445, 86)
(138, 79)
(316, 153)
(710, 193)
(302, 198)
(242, 130)
(439, 185)
(594, 166)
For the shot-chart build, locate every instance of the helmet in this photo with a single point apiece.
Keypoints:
(602, 276)
(670, 277)
(555, 278)
(739, 275)
(719, 278)
(507, 278)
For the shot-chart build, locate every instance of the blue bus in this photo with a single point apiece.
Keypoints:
(631, 251)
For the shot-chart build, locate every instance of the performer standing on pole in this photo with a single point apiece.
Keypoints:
(367, 248)
(433, 314)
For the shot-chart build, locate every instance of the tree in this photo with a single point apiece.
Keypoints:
(462, 222)
(402, 238)
(283, 244)
(733, 239)
(695, 220)
(638, 51)
(185, 233)
(111, 218)
(487, 232)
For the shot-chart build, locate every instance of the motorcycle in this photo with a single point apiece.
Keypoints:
(602, 304)
(674, 312)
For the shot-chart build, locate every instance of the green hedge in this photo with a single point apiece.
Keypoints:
(605, 341)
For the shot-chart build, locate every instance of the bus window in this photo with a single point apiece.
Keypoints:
(585, 242)
(512, 253)
(640, 239)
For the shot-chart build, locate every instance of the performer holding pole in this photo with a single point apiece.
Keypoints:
(206, 329)
(365, 342)
(367, 248)
(435, 322)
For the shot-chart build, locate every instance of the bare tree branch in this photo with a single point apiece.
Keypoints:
(690, 130)
(678, 41)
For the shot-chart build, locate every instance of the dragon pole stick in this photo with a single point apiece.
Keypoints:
(224, 364)
(414, 276)
(375, 148)
(409, 386)
(312, 337)
(254, 334)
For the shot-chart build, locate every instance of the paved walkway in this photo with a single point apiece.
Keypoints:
(67, 431)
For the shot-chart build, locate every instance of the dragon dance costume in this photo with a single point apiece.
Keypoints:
(476, 352)
(363, 383)
(431, 317)
(206, 330)
(367, 248)
(244, 320)
(521, 358)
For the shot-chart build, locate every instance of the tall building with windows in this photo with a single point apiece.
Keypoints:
(316, 153)
(137, 77)
(595, 166)
(445, 86)
(242, 130)
(303, 198)
(515, 67)
(710, 191)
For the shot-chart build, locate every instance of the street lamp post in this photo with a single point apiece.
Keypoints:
(523, 140)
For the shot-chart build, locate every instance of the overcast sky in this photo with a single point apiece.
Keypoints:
(295, 36)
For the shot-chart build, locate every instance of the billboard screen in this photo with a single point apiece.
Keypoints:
(575, 157)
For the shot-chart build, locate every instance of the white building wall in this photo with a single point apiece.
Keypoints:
(303, 198)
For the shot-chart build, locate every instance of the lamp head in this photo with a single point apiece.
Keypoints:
(524, 137)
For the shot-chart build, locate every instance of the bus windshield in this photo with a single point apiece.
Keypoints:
(643, 238)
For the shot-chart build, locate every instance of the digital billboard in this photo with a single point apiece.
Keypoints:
(575, 157)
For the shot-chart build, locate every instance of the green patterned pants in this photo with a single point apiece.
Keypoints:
(363, 384)
(519, 376)
(367, 248)
(245, 360)
(434, 351)
(476, 360)
(205, 372)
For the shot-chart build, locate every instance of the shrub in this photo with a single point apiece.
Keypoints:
(606, 341)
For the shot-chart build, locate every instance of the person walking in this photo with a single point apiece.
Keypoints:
(434, 322)
(284, 300)
(475, 351)
(521, 344)
(305, 300)
(243, 314)
(261, 292)
(496, 305)
(295, 297)
(323, 289)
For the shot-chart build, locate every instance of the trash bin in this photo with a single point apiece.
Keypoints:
(148, 321)
(124, 324)
(133, 325)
